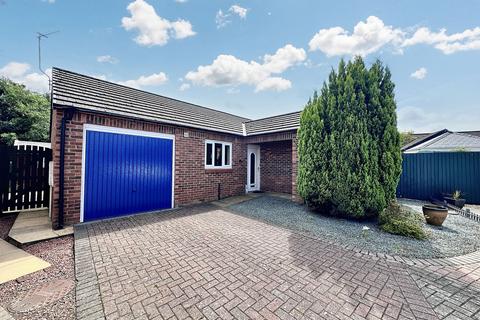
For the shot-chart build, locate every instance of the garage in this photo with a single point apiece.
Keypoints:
(125, 172)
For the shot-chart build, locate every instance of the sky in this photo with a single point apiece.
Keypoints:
(256, 58)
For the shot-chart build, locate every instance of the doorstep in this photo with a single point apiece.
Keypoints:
(226, 202)
(34, 226)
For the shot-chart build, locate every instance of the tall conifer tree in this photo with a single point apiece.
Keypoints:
(349, 147)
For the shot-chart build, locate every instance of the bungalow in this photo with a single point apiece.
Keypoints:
(118, 151)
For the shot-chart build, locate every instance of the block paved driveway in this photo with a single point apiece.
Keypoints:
(204, 262)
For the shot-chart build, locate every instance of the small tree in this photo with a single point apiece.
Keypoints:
(23, 114)
(406, 137)
(349, 147)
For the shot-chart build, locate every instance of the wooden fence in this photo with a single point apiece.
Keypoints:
(24, 178)
(427, 175)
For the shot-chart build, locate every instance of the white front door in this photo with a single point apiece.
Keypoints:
(253, 168)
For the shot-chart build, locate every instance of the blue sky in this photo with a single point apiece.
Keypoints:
(257, 58)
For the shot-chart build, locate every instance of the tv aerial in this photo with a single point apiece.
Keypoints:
(40, 36)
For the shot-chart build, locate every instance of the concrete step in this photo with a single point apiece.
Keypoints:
(15, 263)
(34, 226)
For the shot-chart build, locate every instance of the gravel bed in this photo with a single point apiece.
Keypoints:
(458, 235)
(473, 207)
(59, 253)
(6, 222)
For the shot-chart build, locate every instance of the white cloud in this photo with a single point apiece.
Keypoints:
(181, 1)
(273, 83)
(283, 59)
(107, 59)
(416, 119)
(14, 69)
(155, 79)
(373, 35)
(153, 29)
(224, 18)
(241, 12)
(18, 72)
(182, 28)
(227, 70)
(367, 37)
(184, 86)
(419, 74)
(468, 39)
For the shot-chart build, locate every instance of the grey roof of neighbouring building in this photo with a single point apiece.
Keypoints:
(70, 89)
(423, 137)
(445, 141)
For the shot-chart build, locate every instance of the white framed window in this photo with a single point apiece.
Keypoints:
(218, 154)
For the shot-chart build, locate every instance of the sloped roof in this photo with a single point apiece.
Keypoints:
(422, 137)
(448, 141)
(70, 89)
(425, 134)
(283, 122)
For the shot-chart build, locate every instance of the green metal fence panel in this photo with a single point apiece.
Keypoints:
(430, 175)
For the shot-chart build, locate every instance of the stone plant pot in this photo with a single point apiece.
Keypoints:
(459, 203)
(435, 215)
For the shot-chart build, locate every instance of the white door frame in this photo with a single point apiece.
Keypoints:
(255, 149)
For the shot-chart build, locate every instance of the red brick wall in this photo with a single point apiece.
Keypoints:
(295, 196)
(193, 182)
(276, 166)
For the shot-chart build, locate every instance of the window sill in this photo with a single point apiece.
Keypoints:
(218, 170)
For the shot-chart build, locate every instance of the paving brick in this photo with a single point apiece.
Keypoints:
(452, 290)
(203, 262)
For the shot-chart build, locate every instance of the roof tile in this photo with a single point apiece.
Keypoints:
(70, 89)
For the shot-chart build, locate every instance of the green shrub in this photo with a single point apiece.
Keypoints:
(348, 143)
(406, 138)
(24, 114)
(399, 220)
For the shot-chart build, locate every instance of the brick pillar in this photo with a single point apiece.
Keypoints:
(295, 196)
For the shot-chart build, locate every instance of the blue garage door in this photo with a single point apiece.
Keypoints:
(126, 174)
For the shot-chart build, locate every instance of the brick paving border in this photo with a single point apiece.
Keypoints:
(450, 285)
(88, 302)
(469, 258)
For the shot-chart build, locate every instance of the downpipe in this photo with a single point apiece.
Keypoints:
(67, 116)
